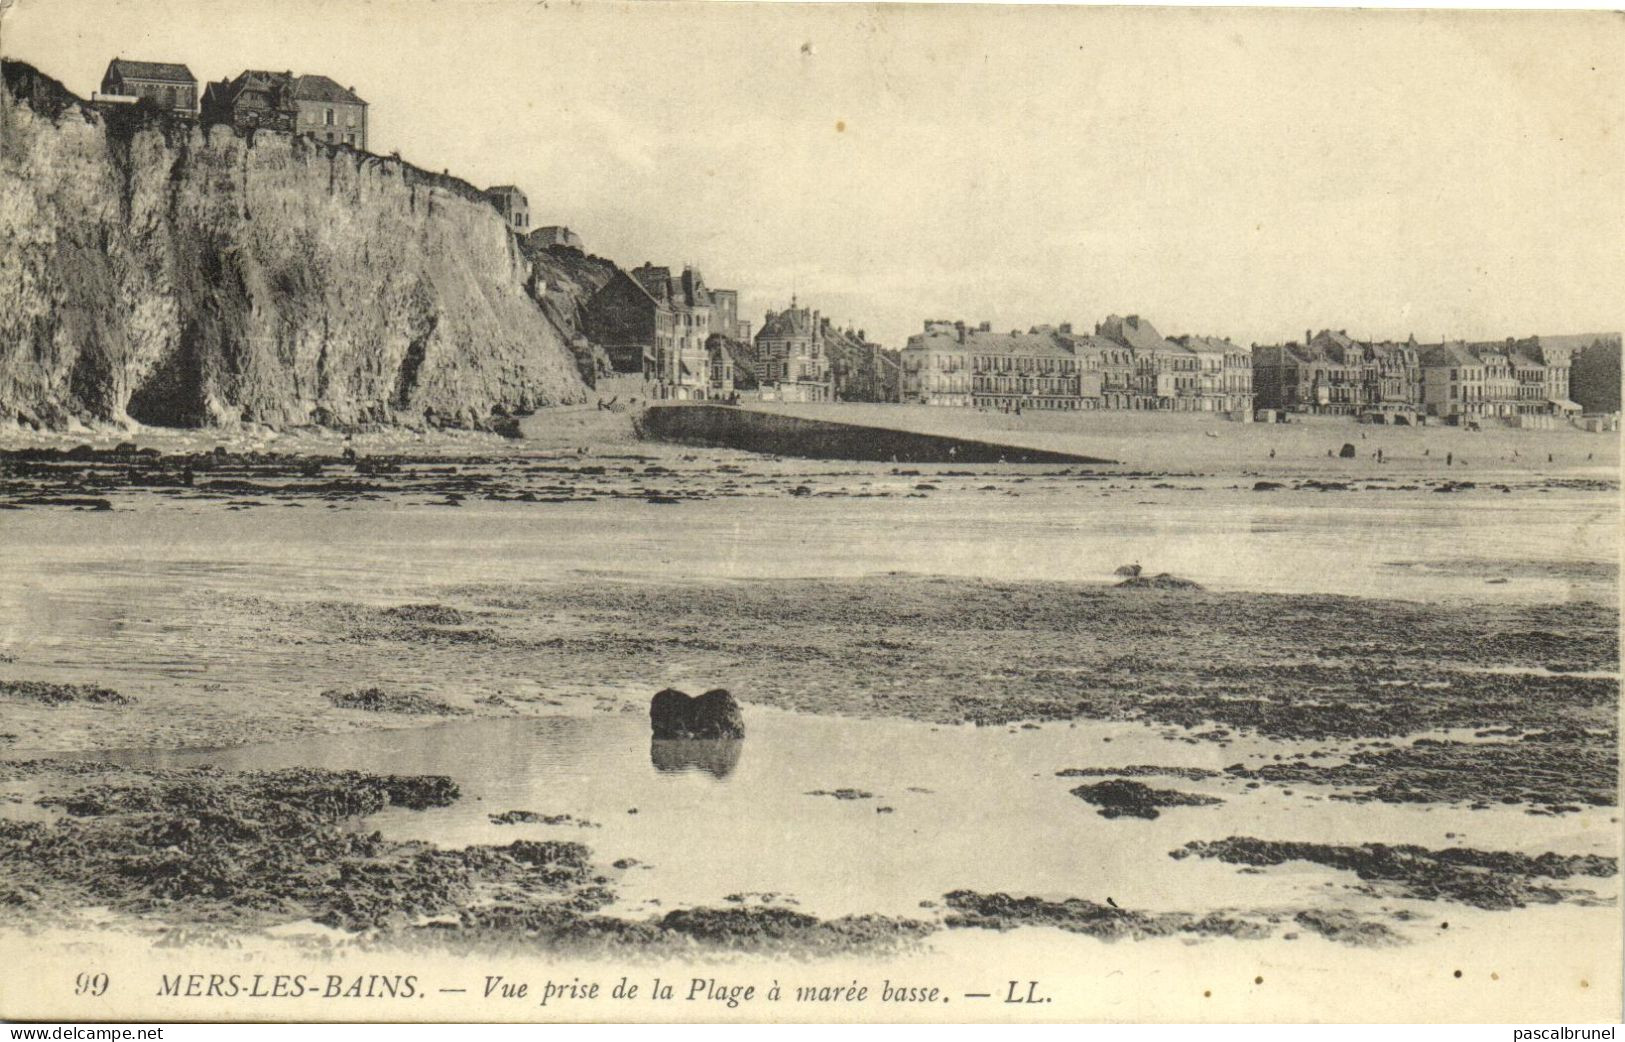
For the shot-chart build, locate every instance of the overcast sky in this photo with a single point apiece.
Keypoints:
(1248, 174)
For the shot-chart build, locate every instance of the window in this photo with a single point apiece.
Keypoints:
(329, 119)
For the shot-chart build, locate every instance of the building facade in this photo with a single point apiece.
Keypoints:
(792, 364)
(169, 85)
(1125, 365)
(1518, 382)
(859, 370)
(556, 235)
(254, 100)
(682, 361)
(315, 106)
(512, 205)
(330, 112)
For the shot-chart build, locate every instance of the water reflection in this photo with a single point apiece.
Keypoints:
(715, 756)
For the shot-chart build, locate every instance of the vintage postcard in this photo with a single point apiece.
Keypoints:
(854, 512)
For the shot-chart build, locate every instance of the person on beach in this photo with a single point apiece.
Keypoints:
(1449, 459)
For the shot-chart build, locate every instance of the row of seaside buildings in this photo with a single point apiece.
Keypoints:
(1126, 364)
(686, 340)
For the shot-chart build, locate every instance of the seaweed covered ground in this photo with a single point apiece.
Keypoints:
(250, 850)
(1379, 680)
(187, 849)
(1395, 701)
(287, 473)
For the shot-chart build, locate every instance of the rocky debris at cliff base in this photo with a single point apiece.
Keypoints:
(676, 714)
(49, 694)
(1120, 798)
(377, 700)
(1483, 879)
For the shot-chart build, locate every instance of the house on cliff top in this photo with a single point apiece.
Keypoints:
(512, 205)
(313, 105)
(169, 85)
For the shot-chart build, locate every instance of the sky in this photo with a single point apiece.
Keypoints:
(1249, 174)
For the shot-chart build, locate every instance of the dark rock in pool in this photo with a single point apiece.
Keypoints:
(715, 714)
(1121, 798)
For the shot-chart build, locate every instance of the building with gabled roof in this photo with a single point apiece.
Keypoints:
(792, 364)
(169, 85)
(1224, 380)
(313, 105)
(254, 100)
(652, 322)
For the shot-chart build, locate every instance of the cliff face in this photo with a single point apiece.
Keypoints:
(175, 275)
(563, 279)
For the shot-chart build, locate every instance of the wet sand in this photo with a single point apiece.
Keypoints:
(468, 579)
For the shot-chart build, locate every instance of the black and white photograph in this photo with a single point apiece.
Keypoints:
(707, 512)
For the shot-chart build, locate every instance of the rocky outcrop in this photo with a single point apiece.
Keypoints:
(562, 279)
(152, 270)
(715, 714)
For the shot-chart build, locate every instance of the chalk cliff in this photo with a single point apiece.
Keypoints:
(155, 271)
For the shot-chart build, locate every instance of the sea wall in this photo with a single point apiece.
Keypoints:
(734, 427)
(155, 271)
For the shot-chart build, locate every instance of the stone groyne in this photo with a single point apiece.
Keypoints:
(735, 427)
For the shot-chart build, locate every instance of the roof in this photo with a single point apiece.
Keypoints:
(1279, 354)
(787, 324)
(172, 72)
(1209, 343)
(985, 342)
(1448, 354)
(686, 290)
(322, 88)
(504, 189)
(277, 86)
(1338, 337)
(1137, 333)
